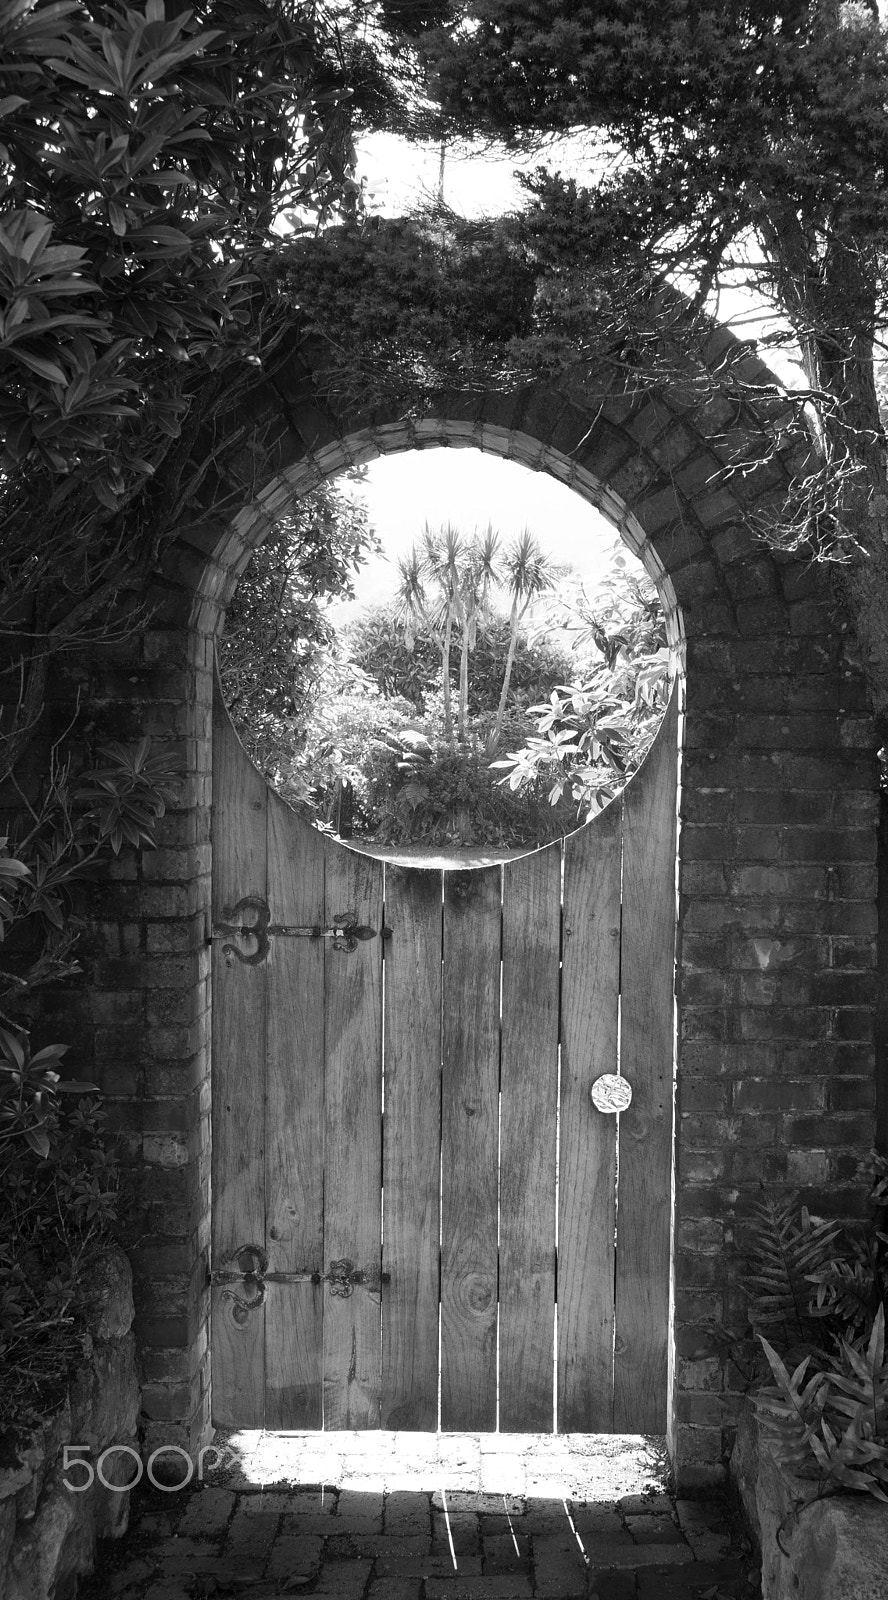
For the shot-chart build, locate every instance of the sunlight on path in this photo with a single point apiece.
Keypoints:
(563, 1466)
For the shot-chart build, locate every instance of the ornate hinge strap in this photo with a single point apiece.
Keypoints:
(248, 1267)
(344, 935)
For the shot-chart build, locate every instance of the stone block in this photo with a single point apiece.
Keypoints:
(509, 1586)
(207, 1512)
(835, 1549)
(460, 1500)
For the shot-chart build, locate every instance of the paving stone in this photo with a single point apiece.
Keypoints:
(347, 1580)
(654, 1530)
(302, 1523)
(501, 1554)
(185, 1550)
(428, 1565)
(276, 1502)
(251, 1531)
(129, 1591)
(459, 1453)
(555, 1581)
(253, 1525)
(360, 1527)
(189, 1568)
(545, 1515)
(129, 1577)
(552, 1487)
(292, 1555)
(654, 1505)
(491, 1527)
(603, 1546)
(705, 1528)
(617, 1554)
(483, 1504)
(395, 1589)
(356, 1546)
(611, 1585)
(513, 1587)
(562, 1546)
(689, 1582)
(407, 1513)
(360, 1505)
(597, 1522)
(500, 1475)
(207, 1512)
(702, 1513)
(165, 1521)
(459, 1528)
(559, 1568)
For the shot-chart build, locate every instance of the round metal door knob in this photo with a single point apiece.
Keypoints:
(611, 1093)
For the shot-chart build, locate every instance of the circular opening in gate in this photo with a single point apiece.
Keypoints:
(445, 656)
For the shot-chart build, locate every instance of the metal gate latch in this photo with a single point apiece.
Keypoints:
(344, 934)
(248, 1266)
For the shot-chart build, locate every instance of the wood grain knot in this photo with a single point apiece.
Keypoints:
(477, 1293)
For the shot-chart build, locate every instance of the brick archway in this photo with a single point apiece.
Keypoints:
(775, 1067)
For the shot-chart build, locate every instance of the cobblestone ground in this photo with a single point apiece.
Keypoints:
(236, 1536)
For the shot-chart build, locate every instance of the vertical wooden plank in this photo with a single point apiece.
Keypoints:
(646, 1052)
(353, 1140)
(472, 917)
(587, 1145)
(412, 1148)
(528, 1103)
(238, 1033)
(294, 1155)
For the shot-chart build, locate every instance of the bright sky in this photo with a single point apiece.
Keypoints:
(469, 489)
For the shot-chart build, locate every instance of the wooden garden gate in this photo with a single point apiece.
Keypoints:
(411, 1184)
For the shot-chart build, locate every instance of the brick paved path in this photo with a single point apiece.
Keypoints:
(446, 1544)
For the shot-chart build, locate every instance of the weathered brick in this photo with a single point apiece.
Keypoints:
(852, 1094)
(854, 1131)
(513, 1586)
(791, 882)
(853, 1024)
(787, 1094)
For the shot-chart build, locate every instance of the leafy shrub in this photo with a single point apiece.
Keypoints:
(58, 1209)
(77, 825)
(347, 746)
(58, 1182)
(821, 1291)
(29, 1091)
(596, 726)
(277, 641)
(434, 794)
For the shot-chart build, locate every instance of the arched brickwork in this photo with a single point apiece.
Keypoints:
(776, 982)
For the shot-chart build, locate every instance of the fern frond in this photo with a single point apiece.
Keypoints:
(832, 1425)
(790, 1411)
(845, 1289)
(878, 1170)
(786, 1247)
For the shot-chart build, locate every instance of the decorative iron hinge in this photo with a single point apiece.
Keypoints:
(248, 1267)
(344, 935)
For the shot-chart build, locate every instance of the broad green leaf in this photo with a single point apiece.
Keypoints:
(38, 364)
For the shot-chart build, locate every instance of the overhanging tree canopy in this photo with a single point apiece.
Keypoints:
(739, 141)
